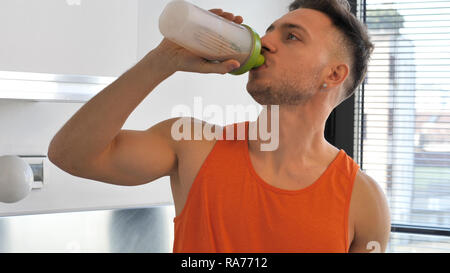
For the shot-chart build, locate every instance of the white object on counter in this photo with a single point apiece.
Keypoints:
(16, 179)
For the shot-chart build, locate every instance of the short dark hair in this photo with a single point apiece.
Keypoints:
(356, 37)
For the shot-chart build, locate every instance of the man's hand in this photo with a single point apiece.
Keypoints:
(176, 58)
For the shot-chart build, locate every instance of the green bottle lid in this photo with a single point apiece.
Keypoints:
(255, 59)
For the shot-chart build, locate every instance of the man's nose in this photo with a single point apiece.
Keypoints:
(267, 46)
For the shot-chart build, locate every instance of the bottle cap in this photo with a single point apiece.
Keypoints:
(255, 59)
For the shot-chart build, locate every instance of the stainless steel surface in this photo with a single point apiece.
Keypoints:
(116, 231)
(39, 166)
(50, 87)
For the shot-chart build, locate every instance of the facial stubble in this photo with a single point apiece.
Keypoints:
(284, 90)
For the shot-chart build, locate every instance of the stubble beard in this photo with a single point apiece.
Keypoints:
(282, 92)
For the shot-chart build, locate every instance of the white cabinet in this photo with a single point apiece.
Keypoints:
(79, 44)
(87, 37)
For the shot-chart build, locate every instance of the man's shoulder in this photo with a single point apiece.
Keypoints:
(187, 133)
(190, 128)
(370, 210)
(367, 191)
(366, 185)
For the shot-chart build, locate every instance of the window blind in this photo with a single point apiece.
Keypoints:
(402, 117)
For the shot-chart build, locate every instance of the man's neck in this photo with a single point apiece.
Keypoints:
(301, 141)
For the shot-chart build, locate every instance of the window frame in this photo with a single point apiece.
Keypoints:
(340, 132)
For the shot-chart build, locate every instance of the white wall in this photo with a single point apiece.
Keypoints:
(98, 37)
(105, 38)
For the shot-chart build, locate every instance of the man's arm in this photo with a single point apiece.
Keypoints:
(92, 145)
(372, 223)
(94, 130)
(134, 157)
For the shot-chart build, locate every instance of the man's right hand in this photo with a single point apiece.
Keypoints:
(176, 58)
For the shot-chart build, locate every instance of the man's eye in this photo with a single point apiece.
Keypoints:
(290, 36)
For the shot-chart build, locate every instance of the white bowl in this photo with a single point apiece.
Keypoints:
(16, 179)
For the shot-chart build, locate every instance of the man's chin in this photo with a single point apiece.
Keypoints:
(261, 94)
(257, 83)
(253, 88)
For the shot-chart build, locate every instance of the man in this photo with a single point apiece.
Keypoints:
(304, 196)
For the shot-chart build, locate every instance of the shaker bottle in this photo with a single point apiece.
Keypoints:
(211, 36)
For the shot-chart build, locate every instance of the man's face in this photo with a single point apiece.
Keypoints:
(297, 48)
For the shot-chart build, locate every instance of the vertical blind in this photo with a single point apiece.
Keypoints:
(402, 114)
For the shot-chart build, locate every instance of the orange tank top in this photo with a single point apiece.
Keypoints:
(231, 209)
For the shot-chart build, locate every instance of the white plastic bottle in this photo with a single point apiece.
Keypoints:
(211, 36)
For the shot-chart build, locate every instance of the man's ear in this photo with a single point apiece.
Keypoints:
(337, 75)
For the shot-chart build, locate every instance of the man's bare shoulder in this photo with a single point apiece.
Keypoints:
(370, 213)
(366, 186)
(186, 133)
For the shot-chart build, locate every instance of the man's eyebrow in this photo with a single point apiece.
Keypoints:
(288, 26)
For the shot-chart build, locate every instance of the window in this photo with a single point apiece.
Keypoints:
(402, 118)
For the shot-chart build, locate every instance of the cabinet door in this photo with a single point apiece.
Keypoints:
(89, 37)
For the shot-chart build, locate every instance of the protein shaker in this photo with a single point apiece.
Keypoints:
(211, 36)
